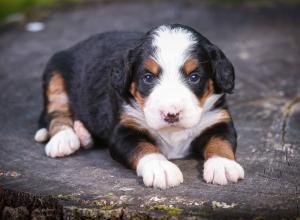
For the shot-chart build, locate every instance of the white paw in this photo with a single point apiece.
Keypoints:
(158, 172)
(41, 135)
(220, 170)
(62, 144)
(83, 134)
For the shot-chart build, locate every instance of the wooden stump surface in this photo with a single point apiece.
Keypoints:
(264, 45)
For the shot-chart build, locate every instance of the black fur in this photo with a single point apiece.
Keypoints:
(223, 71)
(96, 76)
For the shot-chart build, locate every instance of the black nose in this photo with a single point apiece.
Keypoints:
(171, 118)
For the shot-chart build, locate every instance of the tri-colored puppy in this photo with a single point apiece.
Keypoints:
(150, 97)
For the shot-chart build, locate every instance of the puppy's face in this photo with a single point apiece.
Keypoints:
(173, 78)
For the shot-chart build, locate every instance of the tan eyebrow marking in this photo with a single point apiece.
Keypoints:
(152, 66)
(190, 65)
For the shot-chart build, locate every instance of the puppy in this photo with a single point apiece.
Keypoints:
(149, 97)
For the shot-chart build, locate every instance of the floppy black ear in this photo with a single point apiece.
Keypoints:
(222, 69)
(122, 73)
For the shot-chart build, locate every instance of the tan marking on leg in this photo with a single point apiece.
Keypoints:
(218, 147)
(59, 123)
(58, 105)
(133, 90)
(143, 148)
(209, 91)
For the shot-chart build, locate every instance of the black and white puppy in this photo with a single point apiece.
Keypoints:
(149, 97)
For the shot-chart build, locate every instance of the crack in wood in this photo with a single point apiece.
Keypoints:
(261, 102)
(286, 114)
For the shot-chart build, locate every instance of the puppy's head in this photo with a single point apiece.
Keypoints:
(175, 75)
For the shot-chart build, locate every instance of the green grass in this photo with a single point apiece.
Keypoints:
(170, 210)
(8, 7)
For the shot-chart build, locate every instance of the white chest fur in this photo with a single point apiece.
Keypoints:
(175, 143)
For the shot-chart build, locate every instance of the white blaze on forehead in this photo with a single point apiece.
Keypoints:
(172, 47)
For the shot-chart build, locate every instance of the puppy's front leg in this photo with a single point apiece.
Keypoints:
(220, 166)
(219, 143)
(135, 148)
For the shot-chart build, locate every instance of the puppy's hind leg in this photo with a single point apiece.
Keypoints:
(83, 134)
(63, 140)
(41, 135)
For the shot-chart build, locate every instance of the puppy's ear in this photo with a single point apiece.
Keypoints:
(122, 73)
(222, 68)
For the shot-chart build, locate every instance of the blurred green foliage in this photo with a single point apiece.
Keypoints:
(8, 7)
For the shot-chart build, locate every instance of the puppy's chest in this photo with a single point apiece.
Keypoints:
(174, 144)
(178, 144)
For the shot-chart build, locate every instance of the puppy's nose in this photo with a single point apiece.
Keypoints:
(171, 117)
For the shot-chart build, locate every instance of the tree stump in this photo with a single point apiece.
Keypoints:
(263, 44)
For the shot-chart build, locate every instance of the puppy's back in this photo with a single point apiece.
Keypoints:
(102, 48)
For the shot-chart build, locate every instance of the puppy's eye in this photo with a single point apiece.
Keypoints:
(194, 77)
(148, 78)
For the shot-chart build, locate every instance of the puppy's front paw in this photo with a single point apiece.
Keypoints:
(158, 172)
(62, 144)
(220, 170)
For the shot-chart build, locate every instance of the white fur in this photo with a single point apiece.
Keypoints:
(83, 134)
(158, 172)
(41, 135)
(64, 143)
(220, 170)
(175, 142)
(171, 95)
(172, 47)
